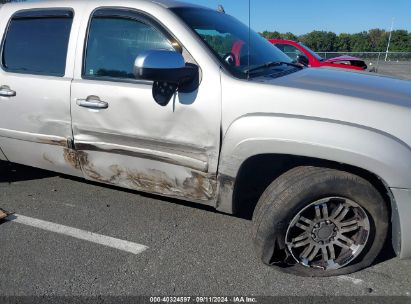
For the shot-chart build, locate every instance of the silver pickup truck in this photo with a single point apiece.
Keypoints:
(183, 101)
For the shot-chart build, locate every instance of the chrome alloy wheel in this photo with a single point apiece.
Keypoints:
(328, 234)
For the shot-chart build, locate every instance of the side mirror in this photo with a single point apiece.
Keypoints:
(168, 71)
(302, 59)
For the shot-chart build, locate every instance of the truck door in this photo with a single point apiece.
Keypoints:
(122, 136)
(35, 122)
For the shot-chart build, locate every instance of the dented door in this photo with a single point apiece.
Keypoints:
(121, 135)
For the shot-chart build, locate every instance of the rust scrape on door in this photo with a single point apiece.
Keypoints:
(53, 142)
(71, 158)
(197, 186)
(70, 155)
(48, 159)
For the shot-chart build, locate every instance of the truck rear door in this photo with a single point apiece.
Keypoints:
(35, 81)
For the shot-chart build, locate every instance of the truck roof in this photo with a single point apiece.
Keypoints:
(164, 3)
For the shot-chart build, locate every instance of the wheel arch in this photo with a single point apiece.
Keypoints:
(257, 144)
(254, 176)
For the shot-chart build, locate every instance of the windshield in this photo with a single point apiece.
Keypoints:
(312, 52)
(229, 39)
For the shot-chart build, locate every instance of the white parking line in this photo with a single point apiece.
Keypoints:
(350, 279)
(126, 246)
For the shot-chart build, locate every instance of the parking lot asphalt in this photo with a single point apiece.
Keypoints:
(191, 250)
(401, 69)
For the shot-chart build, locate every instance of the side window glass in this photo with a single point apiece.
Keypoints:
(292, 51)
(114, 43)
(37, 43)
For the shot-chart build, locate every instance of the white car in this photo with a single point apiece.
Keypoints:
(183, 101)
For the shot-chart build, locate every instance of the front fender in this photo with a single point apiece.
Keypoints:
(380, 153)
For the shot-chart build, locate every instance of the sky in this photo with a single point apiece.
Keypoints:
(300, 17)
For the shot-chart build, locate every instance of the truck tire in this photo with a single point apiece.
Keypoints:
(319, 222)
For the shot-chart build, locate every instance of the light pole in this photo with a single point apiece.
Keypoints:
(389, 39)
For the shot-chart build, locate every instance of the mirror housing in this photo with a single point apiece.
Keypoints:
(302, 59)
(168, 71)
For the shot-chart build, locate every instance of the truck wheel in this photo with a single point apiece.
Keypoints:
(315, 221)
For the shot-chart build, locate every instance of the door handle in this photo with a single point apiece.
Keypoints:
(5, 91)
(92, 102)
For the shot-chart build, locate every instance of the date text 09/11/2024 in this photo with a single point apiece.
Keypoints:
(203, 300)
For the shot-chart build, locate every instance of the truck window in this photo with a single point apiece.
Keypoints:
(114, 43)
(36, 42)
(222, 33)
(290, 50)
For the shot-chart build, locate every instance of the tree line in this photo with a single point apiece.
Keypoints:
(374, 40)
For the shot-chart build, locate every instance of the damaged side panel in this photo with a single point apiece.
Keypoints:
(225, 193)
(54, 156)
(149, 176)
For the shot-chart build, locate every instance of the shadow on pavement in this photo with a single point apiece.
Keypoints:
(11, 173)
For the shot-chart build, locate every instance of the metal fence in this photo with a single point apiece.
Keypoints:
(377, 60)
(381, 56)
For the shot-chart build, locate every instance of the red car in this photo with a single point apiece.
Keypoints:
(303, 54)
